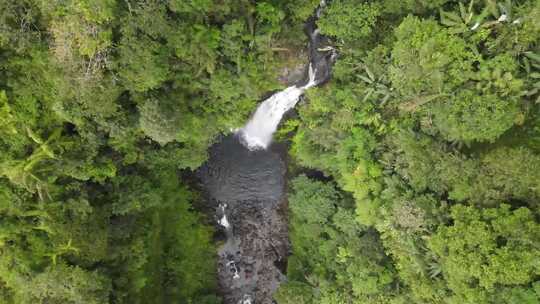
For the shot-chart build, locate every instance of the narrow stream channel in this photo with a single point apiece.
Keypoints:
(245, 180)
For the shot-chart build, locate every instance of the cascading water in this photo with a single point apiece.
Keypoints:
(257, 133)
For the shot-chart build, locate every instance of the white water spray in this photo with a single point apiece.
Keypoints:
(246, 299)
(223, 220)
(257, 133)
(234, 269)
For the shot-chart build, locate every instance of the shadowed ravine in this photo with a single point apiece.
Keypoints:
(247, 189)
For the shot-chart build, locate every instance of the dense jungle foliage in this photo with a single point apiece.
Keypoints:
(102, 102)
(428, 132)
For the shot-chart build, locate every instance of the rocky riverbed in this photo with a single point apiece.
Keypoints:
(247, 191)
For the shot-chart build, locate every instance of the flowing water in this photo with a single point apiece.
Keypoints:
(244, 178)
(258, 131)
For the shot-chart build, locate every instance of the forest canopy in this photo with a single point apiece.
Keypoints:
(429, 132)
(428, 137)
(102, 104)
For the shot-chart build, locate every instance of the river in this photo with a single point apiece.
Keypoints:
(245, 179)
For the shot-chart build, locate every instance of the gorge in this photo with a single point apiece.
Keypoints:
(245, 179)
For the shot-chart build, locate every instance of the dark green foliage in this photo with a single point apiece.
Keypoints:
(441, 76)
(412, 6)
(294, 292)
(349, 20)
(496, 175)
(64, 284)
(485, 250)
(334, 257)
(428, 59)
(301, 10)
(314, 203)
(158, 122)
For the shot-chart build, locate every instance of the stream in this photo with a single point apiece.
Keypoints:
(245, 180)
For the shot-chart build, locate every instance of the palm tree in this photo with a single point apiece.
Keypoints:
(25, 173)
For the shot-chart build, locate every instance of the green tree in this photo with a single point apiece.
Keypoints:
(348, 20)
(65, 284)
(485, 249)
(333, 255)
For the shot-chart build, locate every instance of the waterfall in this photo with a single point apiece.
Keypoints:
(257, 133)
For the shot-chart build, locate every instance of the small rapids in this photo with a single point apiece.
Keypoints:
(247, 190)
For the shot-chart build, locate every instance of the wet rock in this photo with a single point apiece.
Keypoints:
(290, 76)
